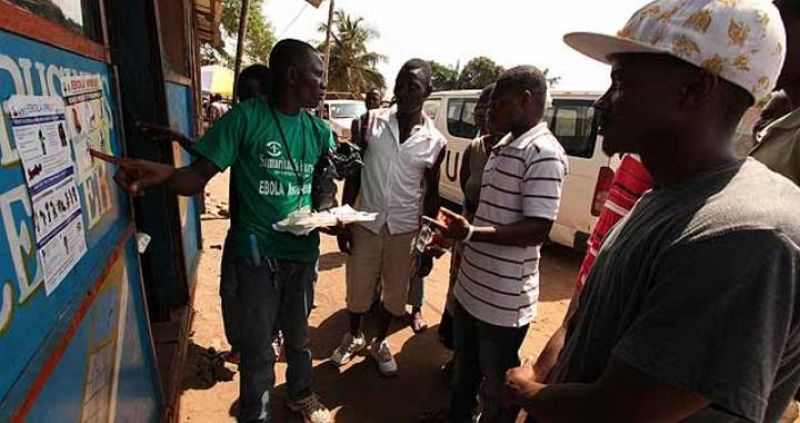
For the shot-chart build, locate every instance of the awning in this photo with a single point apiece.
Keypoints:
(216, 79)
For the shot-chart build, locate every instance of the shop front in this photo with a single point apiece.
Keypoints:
(93, 318)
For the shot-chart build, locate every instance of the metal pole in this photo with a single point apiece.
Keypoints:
(237, 66)
(328, 39)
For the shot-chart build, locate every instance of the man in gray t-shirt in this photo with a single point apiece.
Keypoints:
(694, 288)
(692, 310)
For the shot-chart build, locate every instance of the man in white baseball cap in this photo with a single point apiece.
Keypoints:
(692, 310)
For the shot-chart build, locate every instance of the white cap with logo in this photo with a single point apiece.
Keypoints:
(741, 41)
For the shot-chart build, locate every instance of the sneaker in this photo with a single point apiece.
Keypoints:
(311, 409)
(349, 347)
(383, 356)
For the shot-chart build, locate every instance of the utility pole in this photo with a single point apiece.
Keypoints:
(240, 43)
(328, 39)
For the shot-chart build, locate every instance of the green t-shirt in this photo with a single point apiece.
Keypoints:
(248, 139)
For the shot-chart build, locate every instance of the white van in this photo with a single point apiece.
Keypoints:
(341, 115)
(571, 119)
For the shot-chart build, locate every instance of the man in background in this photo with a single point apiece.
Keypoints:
(358, 128)
(403, 153)
(497, 289)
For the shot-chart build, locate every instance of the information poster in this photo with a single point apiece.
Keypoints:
(40, 132)
(86, 115)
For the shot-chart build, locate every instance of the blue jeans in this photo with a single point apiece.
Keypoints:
(484, 353)
(229, 294)
(271, 299)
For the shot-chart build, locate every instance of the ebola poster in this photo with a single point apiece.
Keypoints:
(87, 119)
(41, 136)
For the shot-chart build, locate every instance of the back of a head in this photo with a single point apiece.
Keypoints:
(253, 82)
(525, 78)
(486, 93)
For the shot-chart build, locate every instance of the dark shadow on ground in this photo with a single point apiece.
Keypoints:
(234, 410)
(333, 260)
(359, 391)
(326, 336)
(204, 368)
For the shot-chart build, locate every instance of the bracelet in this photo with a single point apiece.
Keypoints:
(469, 234)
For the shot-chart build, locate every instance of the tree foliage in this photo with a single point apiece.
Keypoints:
(353, 67)
(443, 77)
(257, 43)
(478, 73)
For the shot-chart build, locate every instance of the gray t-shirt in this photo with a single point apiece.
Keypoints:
(698, 288)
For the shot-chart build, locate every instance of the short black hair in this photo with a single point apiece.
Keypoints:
(257, 71)
(525, 78)
(374, 90)
(290, 52)
(420, 64)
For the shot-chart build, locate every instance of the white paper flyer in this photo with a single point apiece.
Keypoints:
(40, 133)
(87, 117)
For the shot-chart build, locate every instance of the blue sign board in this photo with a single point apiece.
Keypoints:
(85, 349)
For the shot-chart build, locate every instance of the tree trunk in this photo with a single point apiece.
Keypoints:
(240, 43)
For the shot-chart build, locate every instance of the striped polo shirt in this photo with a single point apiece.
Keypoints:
(499, 284)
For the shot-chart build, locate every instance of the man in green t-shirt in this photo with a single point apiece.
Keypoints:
(272, 146)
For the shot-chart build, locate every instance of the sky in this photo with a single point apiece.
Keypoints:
(510, 32)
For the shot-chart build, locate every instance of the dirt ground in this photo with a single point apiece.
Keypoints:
(356, 392)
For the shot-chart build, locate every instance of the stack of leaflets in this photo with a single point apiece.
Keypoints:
(304, 221)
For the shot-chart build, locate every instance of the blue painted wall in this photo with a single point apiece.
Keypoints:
(179, 102)
(33, 323)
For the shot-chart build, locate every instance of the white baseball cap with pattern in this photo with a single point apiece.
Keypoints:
(741, 41)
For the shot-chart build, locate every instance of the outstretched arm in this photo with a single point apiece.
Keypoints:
(529, 232)
(135, 175)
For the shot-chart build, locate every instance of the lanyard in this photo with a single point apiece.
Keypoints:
(297, 173)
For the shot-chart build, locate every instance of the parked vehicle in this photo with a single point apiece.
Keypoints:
(341, 115)
(571, 119)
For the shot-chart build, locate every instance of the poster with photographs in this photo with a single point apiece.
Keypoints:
(87, 118)
(40, 130)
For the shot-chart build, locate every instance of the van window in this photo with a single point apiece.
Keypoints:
(431, 108)
(574, 125)
(460, 118)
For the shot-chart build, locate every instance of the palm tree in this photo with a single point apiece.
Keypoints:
(352, 66)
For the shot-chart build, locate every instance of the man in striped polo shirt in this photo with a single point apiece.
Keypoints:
(498, 282)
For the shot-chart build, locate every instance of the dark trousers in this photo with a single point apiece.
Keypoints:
(229, 294)
(484, 353)
(269, 299)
